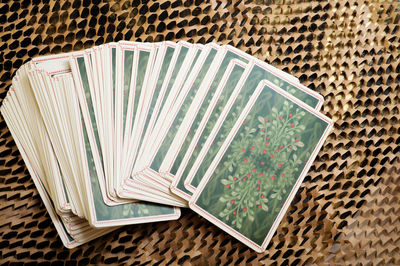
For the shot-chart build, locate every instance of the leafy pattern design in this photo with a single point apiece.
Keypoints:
(252, 186)
(256, 75)
(261, 164)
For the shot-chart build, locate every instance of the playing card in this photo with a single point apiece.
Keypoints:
(194, 106)
(101, 214)
(126, 133)
(165, 53)
(82, 70)
(166, 58)
(53, 115)
(207, 55)
(138, 104)
(186, 58)
(220, 96)
(261, 164)
(208, 147)
(11, 106)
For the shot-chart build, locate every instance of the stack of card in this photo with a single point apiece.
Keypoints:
(128, 132)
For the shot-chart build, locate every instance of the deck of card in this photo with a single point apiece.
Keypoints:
(127, 133)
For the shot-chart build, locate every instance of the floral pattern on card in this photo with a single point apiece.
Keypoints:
(261, 164)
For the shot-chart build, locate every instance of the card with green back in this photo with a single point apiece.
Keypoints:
(260, 165)
(182, 58)
(183, 103)
(207, 147)
(160, 73)
(219, 98)
(82, 77)
(194, 108)
(181, 53)
(138, 97)
(101, 214)
(189, 55)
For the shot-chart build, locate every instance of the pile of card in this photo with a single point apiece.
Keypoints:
(127, 133)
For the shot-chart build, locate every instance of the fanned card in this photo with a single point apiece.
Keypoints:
(224, 107)
(100, 214)
(260, 165)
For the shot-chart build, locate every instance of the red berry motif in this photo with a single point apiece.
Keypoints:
(243, 192)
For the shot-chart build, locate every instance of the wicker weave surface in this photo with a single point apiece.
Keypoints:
(347, 210)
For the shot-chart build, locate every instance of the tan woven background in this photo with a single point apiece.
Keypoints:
(346, 212)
